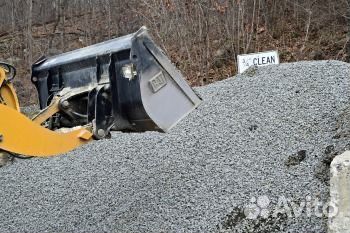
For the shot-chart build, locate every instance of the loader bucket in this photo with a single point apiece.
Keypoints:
(126, 83)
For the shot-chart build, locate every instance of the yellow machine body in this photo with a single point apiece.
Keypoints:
(20, 135)
(8, 95)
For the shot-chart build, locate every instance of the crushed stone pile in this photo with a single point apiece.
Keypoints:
(260, 142)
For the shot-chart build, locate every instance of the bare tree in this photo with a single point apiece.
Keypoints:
(29, 32)
(348, 34)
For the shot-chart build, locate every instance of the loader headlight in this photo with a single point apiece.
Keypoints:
(129, 71)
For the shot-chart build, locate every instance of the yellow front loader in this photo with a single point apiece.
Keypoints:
(125, 84)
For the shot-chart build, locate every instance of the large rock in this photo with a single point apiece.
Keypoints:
(4, 158)
(339, 221)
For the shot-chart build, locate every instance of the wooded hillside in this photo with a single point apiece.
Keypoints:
(202, 37)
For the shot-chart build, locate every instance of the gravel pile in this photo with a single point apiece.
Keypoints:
(261, 136)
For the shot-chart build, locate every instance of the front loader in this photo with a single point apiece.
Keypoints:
(126, 84)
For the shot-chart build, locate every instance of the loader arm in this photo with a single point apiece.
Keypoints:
(20, 135)
(7, 92)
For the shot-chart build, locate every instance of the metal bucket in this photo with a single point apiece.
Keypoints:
(125, 83)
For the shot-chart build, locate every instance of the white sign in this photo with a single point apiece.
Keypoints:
(257, 59)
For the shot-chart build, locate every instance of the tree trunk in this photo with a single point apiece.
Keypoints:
(29, 33)
(348, 35)
(62, 19)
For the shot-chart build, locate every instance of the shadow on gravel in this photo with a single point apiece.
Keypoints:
(236, 221)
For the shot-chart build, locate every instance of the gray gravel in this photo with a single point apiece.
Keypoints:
(269, 132)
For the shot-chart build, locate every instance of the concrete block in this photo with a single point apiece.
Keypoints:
(339, 219)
